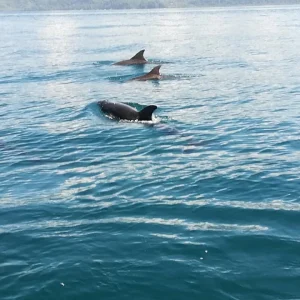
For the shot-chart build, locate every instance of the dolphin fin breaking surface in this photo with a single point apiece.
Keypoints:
(139, 55)
(155, 70)
(152, 75)
(146, 113)
(137, 59)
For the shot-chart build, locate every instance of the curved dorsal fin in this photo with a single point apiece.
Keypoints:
(139, 55)
(155, 70)
(146, 113)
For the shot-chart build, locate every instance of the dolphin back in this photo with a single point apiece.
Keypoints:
(146, 113)
(119, 110)
(124, 111)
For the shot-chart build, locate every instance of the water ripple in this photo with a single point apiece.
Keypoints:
(186, 206)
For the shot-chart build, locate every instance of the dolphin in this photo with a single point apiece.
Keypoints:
(152, 75)
(125, 112)
(137, 59)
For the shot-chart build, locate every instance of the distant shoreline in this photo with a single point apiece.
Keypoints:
(237, 5)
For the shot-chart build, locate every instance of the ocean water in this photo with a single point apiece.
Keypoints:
(201, 203)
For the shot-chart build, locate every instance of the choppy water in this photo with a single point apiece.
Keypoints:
(202, 204)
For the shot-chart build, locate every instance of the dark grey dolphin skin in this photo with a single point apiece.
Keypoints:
(152, 75)
(137, 59)
(125, 112)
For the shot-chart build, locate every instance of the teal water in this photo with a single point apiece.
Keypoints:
(204, 203)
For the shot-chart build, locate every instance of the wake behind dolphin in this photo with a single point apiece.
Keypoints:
(122, 111)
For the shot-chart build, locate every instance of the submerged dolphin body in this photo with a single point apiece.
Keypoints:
(137, 59)
(125, 112)
(152, 75)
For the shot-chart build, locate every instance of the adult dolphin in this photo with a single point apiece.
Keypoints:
(152, 75)
(137, 59)
(125, 112)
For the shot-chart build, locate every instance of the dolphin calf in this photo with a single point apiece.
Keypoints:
(137, 59)
(125, 112)
(152, 75)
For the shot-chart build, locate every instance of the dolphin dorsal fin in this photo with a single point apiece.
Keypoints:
(155, 70)
(139, 55)
(146, 113)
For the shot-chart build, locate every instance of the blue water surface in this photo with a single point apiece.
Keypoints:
(202, 203)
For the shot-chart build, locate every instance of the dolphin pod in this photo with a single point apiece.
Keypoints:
(122, 111)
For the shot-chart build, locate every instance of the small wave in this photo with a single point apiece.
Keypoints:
(103, 63)
(272, 205)
(120, 78)
(191, 226)
(158, 62)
